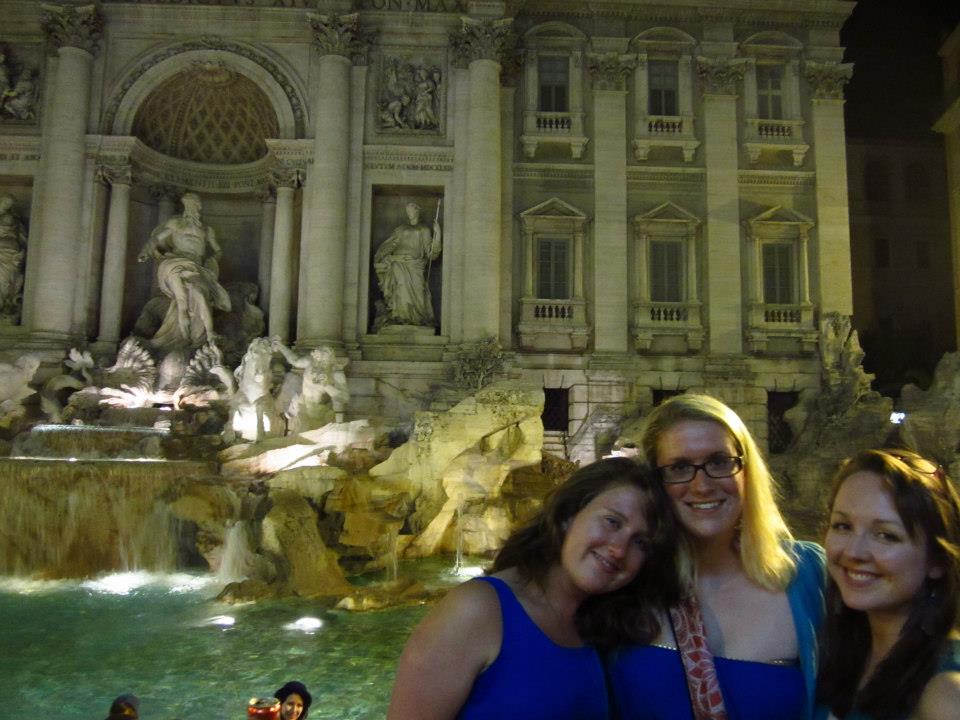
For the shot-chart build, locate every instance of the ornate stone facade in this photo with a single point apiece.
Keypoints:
(636, 199)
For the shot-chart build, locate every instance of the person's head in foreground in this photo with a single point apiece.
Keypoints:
(294, 700)
(890, 642)
(125, 706)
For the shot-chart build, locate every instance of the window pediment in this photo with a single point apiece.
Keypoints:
(663, 41)
(554, 213)
(779, 222)
(665, 215)
(771, 45)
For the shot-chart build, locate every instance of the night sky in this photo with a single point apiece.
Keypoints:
(896, 90)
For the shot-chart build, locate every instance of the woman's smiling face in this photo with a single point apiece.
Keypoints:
(871, 557)
(707, 508)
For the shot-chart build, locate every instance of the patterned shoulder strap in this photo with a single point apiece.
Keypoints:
(706, 699)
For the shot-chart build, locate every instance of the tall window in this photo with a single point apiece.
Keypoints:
(663, 79)
(554, 77)
(876, 179)
(553, 265)
(770, 92)
(778, 274)
(666, 270)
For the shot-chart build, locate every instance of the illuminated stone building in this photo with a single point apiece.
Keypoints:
(635, 197)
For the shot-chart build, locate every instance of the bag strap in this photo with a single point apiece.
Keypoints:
(706, 699)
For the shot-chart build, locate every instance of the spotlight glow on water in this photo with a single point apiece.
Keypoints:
(222, 621)
(468, 571)
(119, 583)
(897, 417)
(305, 624)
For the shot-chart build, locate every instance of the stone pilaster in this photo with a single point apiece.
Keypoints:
(75, 32)
(268, 218)
(281, 260)
(340, 40)
(481, 46)
(722, 243)
(826, 82)
(609, 73)
(120, 179)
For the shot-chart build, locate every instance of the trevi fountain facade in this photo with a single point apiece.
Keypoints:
(326, 286)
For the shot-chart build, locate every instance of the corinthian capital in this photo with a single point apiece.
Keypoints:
(720, 77)
(115, 174)
(481, 40)
(610, 71)
(285, 176)
(341, 35)
(827, 79)
(77, 26)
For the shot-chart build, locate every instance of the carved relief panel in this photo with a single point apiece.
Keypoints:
(411, 94)
(20, 83)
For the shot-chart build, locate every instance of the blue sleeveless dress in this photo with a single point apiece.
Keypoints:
(648, 682)
(534, 678)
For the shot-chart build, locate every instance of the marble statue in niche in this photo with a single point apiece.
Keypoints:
(410, 97)
(18, 89)
(13, 243)
(186, 252)
(402, 264)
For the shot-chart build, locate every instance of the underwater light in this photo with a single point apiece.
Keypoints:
(305, 624)
(468, 571)
(222, 620)
(897, 417)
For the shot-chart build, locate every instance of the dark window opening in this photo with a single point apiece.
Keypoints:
(660, 395)
(556, 409)
(779, 434)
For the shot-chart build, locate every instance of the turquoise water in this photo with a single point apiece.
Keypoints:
(69, 648)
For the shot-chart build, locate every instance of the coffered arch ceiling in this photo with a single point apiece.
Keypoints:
(207, 113)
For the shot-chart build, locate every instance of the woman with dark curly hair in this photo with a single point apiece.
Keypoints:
(522, 641)
(294, 700)
(890, 646)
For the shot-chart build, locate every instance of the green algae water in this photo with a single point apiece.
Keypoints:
(70, 647)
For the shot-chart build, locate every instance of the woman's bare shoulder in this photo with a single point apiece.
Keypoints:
(941, 698)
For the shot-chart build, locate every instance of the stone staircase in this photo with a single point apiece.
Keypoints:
(555, 443)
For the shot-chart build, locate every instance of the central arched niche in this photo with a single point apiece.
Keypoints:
(207, 113)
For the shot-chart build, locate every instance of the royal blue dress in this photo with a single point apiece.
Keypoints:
(534, 678)
(648, 682)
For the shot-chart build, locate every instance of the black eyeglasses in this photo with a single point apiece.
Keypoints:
(718, 467)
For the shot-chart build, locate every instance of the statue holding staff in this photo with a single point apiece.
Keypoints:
(402, 264)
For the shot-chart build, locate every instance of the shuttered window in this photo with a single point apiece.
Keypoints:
(554, 78)
(662, 76)
(770, 92)
(778, 274)
(666, 271)
(553, 268)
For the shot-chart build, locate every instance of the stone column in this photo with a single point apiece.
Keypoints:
(830, 159)
(281, 266)
(75, 32)
(340, 41)
(120, 179)
(166, 198)
(722, 231)
(481, 45)
(268, 218)
(611, 292)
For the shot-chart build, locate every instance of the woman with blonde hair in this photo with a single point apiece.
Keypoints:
(741, 643)
(890, 647)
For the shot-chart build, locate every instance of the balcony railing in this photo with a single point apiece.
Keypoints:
(664, 319)
(793, 322)
(542, 127)
(774, 134)
(547, 324)
(665, 131)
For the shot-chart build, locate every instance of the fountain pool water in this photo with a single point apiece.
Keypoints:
(70, 647)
